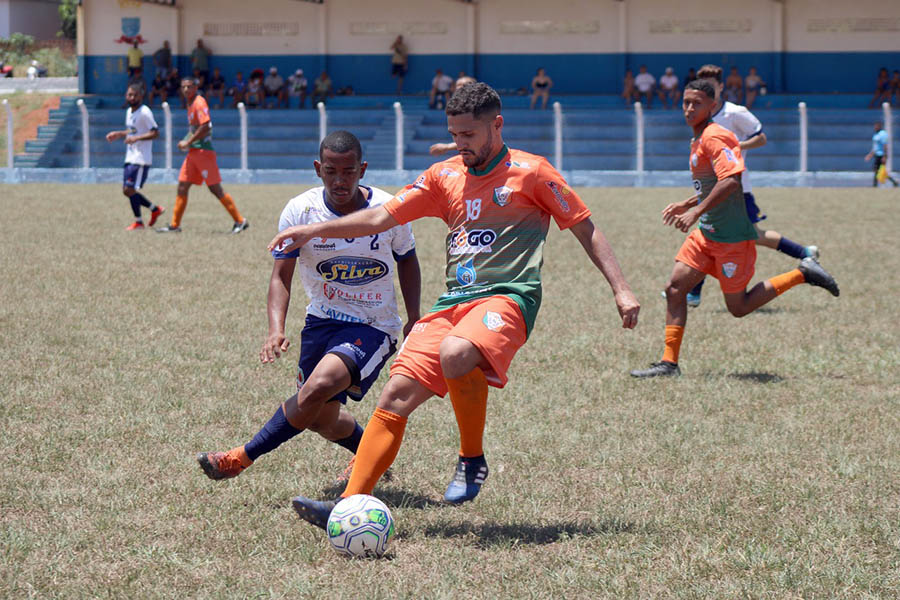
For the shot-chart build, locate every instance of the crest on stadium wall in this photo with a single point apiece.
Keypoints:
(131, 31)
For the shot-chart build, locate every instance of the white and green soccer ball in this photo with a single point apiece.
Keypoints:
(360, 526)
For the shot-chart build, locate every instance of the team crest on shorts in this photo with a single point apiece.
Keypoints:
(493, 321)
(501, 196)
(300, 378)
(728, 269)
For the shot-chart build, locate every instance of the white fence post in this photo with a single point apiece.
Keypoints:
(323, 121)
(557, 136)
(167, 120)
(889, 127)
(85, 135)
(804, 138)
(10, 133)
(245, 157)
(398, 135)
(639, 136)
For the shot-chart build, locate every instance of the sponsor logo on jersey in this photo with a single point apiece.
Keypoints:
(471, 242)
(342, 316)
(502, 196)
(445, 172)
(560, 192)
(697, 185)
(493, 321)
(331, 292)
(418, 328)
(419, 183)
(352, 270)
(729, 269)
(730, 155)
(694, 159)
(324, 245)
(520, 164)
(465, 273)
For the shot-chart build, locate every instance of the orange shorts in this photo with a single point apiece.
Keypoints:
(494, 324)
(199, 166)
(732, 263)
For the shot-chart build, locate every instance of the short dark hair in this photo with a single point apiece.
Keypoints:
(341, 142)
(702, 85)
(136, 85)
(710, 72)
(474, 98)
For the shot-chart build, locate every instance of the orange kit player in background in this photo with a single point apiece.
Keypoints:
(497, 204)
(200, 163)
(724, 244)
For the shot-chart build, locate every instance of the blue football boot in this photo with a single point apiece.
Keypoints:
(466, 483)
(315, 512)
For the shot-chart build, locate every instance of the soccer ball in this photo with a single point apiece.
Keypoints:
(360, 526)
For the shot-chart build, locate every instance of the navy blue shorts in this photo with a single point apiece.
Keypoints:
(753, 211)
(135, 176)
(365, 351)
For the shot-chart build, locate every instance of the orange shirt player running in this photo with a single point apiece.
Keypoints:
(199, 165)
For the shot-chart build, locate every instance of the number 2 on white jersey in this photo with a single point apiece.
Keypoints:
(473, 209)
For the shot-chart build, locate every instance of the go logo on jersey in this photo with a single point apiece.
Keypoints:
(351, 270)
(471, 242)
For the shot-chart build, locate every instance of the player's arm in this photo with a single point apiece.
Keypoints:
(678, 208)
(757, 141)
(438, 149)
(276, 308)
(357, 224)
(150, 135)
(601, 254)
(723, 188)
(201, 132)
(116, 135)
(411, 287)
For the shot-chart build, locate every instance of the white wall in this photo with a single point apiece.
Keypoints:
(857, 26)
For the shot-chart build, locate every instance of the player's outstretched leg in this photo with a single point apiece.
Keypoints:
(467, 480)
(315, 512)
(224, 465)
(815, 275)
(468, 394)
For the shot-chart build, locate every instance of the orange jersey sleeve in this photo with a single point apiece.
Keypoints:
(723, 150)
(417, 200)
(552, 193)
(199, 111)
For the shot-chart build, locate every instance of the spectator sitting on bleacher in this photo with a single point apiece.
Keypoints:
(157, 88)
(645, 84)
(216, 87)
(668, 88)
(895, 87)
(238, 89)
(275, 88)
(162, 59)
(297, 86)
(629, 93)
(322, 89)
(540, 85)
(173, 86)
(135, 59)
(255, 93)
(734, 86)
(882, 89)
(691, 76)
(440, 86)
(753, 85)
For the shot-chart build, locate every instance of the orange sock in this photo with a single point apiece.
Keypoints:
(468, 394)
(674, 333)
(228, 202)
(786, 281)
(180, 205)
(378, 448)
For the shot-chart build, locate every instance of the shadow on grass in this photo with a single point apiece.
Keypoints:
(766, 310)
(511, 534)
(392, 496)
(757, 377)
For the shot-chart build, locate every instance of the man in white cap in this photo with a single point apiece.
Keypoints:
(297, 85)
(668, 88)
(275, 88)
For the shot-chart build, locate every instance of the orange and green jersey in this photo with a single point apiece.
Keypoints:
(198, 114)
(498, 220)
(715, 155)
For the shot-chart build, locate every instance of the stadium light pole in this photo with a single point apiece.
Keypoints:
(242, 112)
(85, 135)
(889, 127)
(398, 136)
(323, 121)
(557, 135)
(167, 119)
(804, 138)
(639, 136)
(10, 142)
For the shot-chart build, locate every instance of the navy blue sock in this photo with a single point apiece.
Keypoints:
(135, 206)
(143, 200)
(351, 442)
(791, 248)
(698, 288)
(276, 432)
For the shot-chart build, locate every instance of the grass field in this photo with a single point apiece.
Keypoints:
(771, 469)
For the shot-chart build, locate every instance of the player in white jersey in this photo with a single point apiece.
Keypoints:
(352, 324)
(749, 132)
(140, 131)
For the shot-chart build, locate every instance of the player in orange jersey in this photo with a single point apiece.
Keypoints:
(200, 163)
(498, 204)
(724, 244)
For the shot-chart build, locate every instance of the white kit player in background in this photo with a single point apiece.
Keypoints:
(749, 131)
(352, 325)
(140, 131)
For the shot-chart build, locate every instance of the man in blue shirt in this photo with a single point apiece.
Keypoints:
(879, 152)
